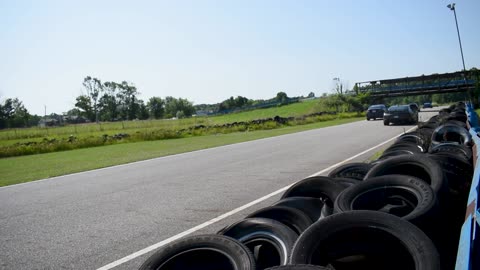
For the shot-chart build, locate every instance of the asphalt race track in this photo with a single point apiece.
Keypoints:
(93, 219)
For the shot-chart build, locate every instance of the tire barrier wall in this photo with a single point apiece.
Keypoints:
(468, 256)
(404, 210)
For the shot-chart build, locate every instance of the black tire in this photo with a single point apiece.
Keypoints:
(459, 116)
(365, 240)
(454, 150)
(415, 138)
(426, 132)
(401, 195)
(347, 182)
(295, 219)
(201, 252)
(434, 119)
(415, 148)
(458, 172)
(310, 206)
(450, 133)
(386, 123)
(445, 111)
(298, 267)
(322, 187)
(270, 241)
(394, 153)
(355, 170)
(428, 126)
(457, 123)
(418, 165)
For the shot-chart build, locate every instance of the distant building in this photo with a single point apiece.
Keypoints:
(48, 122)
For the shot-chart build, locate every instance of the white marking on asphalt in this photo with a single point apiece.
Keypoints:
(234, 211)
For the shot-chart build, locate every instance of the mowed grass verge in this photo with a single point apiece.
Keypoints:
(11, 136)
(29, 168)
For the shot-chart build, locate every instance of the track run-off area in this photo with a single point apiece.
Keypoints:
(113, 218)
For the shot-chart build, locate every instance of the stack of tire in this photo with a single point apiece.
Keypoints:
(402, 211)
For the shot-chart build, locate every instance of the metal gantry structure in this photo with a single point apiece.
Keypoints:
(418, 85)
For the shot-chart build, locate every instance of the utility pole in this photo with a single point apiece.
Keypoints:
(452, 7)
(470, 92)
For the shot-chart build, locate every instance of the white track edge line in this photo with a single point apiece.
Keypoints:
(232, 212)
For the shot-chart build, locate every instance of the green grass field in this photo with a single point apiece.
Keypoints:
(11, 136)
(29, 168)
(32, 141)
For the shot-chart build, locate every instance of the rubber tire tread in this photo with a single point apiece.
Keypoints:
(420, 166)
(355, 170)
(323, 187)
(455, 150)
(422, 214)
(419, 246)
(458, 171)
(243, 257)
(295, 219)
(310, 206)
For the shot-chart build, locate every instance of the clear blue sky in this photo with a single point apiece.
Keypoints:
(207, 51)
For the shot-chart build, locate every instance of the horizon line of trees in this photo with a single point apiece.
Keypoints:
(240, 103)
(14, 114)
(112, 101)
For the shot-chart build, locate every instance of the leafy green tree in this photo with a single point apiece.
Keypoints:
(73, 112)
(334, 102)
(180, 115)
(142, 111)
(93, 87)
(109, 102)
(128, 96)
(241, 101)
(174, 105)
(281, 97)
(13, 114)
(84, 104)
(170, 107)
(234, 103)
(33, 120)
(156, 107)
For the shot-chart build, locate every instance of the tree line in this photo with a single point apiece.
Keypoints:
(14, 114)
(112, 101)
(242, 103)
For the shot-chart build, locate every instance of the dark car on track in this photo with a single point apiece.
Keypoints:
(400, 114)
(414, 107)
(427, 105)
(376, 111)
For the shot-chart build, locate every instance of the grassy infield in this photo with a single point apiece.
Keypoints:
(28, 168)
